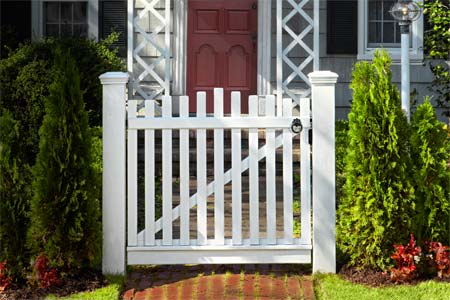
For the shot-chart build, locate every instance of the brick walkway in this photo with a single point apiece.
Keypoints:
(219, 282)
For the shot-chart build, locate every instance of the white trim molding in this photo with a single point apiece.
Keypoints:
(366, 53)
(37, 17)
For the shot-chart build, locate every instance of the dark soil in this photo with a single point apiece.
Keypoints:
(374, 278)
(87, 281)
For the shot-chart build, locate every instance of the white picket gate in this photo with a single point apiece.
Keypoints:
(156, 242)
(145, 248)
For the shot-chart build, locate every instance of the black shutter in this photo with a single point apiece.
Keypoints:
(342, 29)
(113, 17)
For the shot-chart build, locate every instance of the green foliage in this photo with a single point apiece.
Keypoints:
(341, 150)
(430, 152)
(334, 287)
(27, 73)
(64, 219)
(25, 78)
(374, 213)
(437, 44)
(15, 176)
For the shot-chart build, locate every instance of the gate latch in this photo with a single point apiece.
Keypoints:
(296, 125)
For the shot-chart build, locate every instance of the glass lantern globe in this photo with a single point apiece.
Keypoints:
(405, 11)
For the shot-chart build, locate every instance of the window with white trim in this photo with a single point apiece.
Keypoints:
(377, 29)
(62, 19)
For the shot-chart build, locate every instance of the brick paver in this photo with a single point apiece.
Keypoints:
(279, 288)
(172, 291)
(232, 287)
(257, 282)
(308, 288)
(217, 286)
(293, 287)
(264, 286)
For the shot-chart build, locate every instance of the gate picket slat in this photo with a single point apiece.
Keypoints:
(167, 173)
(287, 176)
(219, 222)
(132, 178)
(271, 214)
(184, 175)
(236, 185)
(201, 174)
(253, 174)
(305, 175)
(149, 158)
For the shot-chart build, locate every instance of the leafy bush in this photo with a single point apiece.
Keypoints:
(437, 44)
(341, 150)
(5, 279)
(25, 78)
(15, 193)
(375, 211)
(405, 257)
(430, 152)
(64, 219)
(441, 255)
(43, 274)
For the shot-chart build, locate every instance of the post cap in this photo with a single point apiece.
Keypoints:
(114, 78)
(323, 77)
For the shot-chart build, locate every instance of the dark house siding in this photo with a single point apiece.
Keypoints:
(15, 22)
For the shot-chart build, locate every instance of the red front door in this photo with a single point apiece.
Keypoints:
(221, 45)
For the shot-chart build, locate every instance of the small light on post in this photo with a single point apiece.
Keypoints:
(405, 12)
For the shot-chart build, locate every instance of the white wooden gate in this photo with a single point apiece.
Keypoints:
(154, 241)
(145, 247)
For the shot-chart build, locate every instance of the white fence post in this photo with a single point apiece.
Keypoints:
(114, 201)
(323, 171)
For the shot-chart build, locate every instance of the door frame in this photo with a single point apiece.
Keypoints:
(179, 76)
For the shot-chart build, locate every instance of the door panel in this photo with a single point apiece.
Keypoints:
(205, 66)
(221, 45)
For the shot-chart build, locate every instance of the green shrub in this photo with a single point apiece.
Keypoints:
(15, 192)
(437, 45)
(341, 150)
(375, 211)
(430, 152)
(64, 219)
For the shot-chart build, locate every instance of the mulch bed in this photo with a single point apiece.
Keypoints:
(87, 281)
(376, 278)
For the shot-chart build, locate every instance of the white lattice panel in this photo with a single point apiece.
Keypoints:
(145, 71)
(290, 69)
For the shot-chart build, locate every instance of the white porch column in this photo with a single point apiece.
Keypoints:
(323, 170)
(114, 201)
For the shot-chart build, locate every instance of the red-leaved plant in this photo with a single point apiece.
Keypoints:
(5, 280)
(43, 274)
(404, 257)
(441, 255)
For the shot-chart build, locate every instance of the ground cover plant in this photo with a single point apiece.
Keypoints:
(334, 287)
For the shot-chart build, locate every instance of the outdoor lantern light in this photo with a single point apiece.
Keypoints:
(405, 11)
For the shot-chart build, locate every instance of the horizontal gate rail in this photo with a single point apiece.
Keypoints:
(214, 123)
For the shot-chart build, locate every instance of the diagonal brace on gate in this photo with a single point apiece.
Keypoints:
(227, 178)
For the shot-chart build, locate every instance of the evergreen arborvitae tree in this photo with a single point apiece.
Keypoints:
(15, 193)
(376, 209)
(64, 218)
(430, 152)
